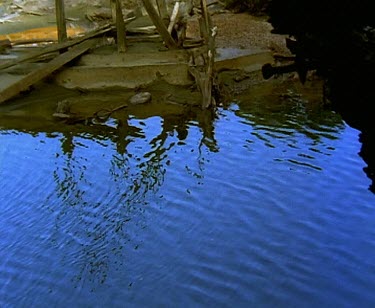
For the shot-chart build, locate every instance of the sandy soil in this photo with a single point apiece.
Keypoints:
(241, 30)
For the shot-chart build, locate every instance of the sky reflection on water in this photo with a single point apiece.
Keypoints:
(259, 204)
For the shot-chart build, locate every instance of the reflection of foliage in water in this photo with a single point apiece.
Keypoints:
(102, 209)
(282, 114)
(98, 220)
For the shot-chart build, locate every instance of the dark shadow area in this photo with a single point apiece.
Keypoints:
(336, 39)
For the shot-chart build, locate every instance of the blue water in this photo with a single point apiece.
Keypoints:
(260, 206)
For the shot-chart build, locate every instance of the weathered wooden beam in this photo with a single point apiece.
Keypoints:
(113, 10)
(206, 21)
(174, 16)
(41, 73)
(120, 25)
(60, 21)
(163, 11)
(159, 24)
(56, 47)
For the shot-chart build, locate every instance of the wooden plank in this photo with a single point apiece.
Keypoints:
(47, 69)
(159, 24)
(55, 47)
(120, 26)
(174, 16)
(60, 21)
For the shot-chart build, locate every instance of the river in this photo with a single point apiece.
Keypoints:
(264, 203)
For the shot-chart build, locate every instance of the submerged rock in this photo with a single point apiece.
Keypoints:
(62, 109)
(140, 98)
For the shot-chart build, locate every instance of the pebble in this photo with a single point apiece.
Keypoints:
(140, 98)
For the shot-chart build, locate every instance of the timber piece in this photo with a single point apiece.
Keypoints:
(120, 26)
(4, 45)
(32, 42)
(60, 21)
(205, 74)
(163, 11)
(160, 26)
(113, 10)
(56, 47)
(205, 23)
(48, 68)
(204, 77)
(174, 17)
(204, 85)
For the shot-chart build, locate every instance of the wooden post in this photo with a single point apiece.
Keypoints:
(113, 10)
(160, 26)
(205, 75)
(60, 21)
(120, 25)
(205, 22)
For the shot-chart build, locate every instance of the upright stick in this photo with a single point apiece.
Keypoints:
(60, 20)
(120, 25)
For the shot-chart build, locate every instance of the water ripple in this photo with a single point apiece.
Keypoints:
(257, 205)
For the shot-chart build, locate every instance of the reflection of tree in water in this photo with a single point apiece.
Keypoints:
(289, 112)
(206, 120)
(102, 228)
(282, 114)
(68, 190)
(290, 117)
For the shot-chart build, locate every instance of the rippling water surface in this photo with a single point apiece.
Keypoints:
(264, 204)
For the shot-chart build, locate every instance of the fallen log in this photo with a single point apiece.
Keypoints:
(48, 68)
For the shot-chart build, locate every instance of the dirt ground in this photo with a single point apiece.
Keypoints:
(241, 30)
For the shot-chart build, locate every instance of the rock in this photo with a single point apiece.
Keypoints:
(140, 98)
(62, 110)
(61, 115)
(63, 106)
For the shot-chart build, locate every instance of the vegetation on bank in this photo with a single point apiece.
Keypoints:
(256, 7)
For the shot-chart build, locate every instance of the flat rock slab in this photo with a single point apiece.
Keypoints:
(144, 64)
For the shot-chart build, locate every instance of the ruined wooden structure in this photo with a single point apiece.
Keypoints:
(172, 34)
